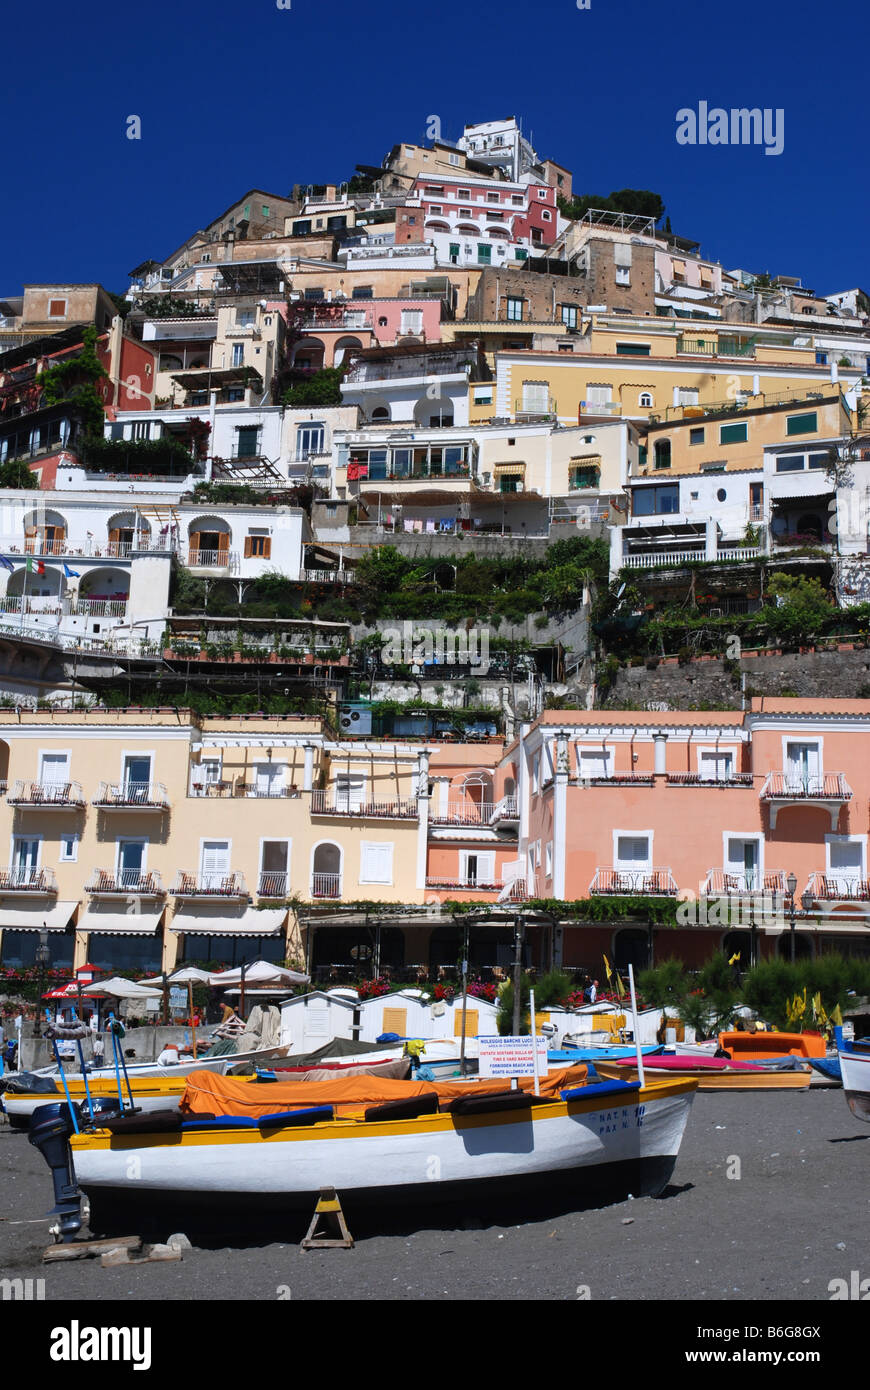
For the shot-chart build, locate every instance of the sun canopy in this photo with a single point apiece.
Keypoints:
(134, 923)
(36, 917)
(122, 989)
(252, 922)
(260, 972)
(189, 974)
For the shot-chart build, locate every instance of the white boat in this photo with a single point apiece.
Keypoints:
(855, 1071)
(594, 1141)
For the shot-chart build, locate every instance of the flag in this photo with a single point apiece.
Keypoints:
(620, 987)
(607, 969)
(37, 566)
(70, 574)
(837, 1016)
(7, 564)
(735, 958)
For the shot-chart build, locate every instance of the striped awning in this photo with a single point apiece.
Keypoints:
(509, 470)
(587, 460)
(126, 923)
(216, 919)
(33, 917)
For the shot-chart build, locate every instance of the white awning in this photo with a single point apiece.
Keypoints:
(219, 921)
(36, 917)
(132, 923)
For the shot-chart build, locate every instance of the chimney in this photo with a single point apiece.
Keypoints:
(330, 193)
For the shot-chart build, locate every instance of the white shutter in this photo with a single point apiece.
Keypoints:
(633, 849)
(215, 862)
(55, 768)
(536, 396)
(349, 792)
(376, 863)
(847, 862)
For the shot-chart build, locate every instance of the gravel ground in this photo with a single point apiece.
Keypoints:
(797, 1217)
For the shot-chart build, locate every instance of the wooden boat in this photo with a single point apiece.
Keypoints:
(715, 1073)
(756, 1047)
(379, 1142)
(855, 1071)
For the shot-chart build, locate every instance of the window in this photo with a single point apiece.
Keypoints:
(310, 439)
(790, 463)
(137, 777)
(696, 435)
(622, 274)
(743, 861)
(245, 318)
(412, 321)
(264, 208)
(845, 861)
(717, 467)
(238, 354)
(376, 863)
(54, 769)
(362, 292)
(632, 349)
(131, 862)
(57, 307)
(69, 848)
(454, 252)
(662, 453)
(632, 851)
(493, 197)
(821, 359)
(236, 393)
(314, 293)
(517, 200)
(215, 863)
(802, 424)
(484, 253)
(733, 434)
(258, 545)
(453, 159)
(547, 216)
(568, 313)
(818, 461)
(514, 310)
(483, 395)
(598, 395)
(476, 867)
(656, 501)
(435, 191)
(536, 397)
(436, 210)
(686, 395)
(645, 399)
(463, 193)
(585, 476)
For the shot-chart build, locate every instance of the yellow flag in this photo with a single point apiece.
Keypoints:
(735, 958)
(836, 1016)
(607, 969)
(620, 988)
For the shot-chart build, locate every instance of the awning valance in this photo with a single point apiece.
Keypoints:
(587, 460)
(222, 921)
(132, 923)
(509, 469)
(33, 917)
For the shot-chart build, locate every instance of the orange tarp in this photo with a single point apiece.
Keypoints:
(207, 1093)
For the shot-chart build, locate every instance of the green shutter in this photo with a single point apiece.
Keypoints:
(802, 424)
(733, 434)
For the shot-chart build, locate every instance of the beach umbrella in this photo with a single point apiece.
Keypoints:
(121, 989)
(261, 972)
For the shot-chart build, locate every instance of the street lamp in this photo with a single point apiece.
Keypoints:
(43, 956)
(806, 904)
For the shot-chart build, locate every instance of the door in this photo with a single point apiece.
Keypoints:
(55, 769)
(215, 864)
(349, 792)
(846, 866)
(131, 857)
(25, 862)
(743, 864)
(269, 779)
(803, 766)
(273, 869)
(137, 778)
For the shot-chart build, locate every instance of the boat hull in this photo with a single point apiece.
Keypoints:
(855, 1071)
(615, 1144)
(741, 1079)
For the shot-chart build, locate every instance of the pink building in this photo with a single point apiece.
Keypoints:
(487, 209)
(329, 329)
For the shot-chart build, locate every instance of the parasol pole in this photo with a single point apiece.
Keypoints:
(634, 1024)
(190, 1015)
(242, 994)
(165, 999)
(464, 1000)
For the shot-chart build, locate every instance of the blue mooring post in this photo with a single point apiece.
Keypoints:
(838, 1036)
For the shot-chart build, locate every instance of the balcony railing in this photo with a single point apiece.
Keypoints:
(617, 779)
(272, 884)
(519, 890)
(324, 803)
(25, 880)
(721, 883)
(695, 779)
(657, 558)
(836, 887)
(66, 795)
(88, 549)
(138, 796)
(326, 885)
(209, 885)
(505, 809)
(657, 883)
(326, 576)
(213, 559)
(548, 410)
(463, 813)
(601, 407)
(103, 882)
(789, 786)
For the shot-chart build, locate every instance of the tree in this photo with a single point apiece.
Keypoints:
(321, 389)
(18, 473)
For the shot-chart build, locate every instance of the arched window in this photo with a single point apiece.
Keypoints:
(645, 398)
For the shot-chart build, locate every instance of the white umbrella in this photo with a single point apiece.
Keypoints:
(122, 989)
(261, 972)
(181, 977)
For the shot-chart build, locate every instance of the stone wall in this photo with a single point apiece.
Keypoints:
(840, 674)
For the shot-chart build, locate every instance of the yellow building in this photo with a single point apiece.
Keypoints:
(141, 838)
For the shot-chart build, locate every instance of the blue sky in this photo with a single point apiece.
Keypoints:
(234, 96)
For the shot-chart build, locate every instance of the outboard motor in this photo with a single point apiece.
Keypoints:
(50, 1129)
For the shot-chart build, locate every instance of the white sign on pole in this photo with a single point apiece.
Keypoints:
(178, 998)
(511, 1056)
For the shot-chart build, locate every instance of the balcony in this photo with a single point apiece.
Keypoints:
(326, 885)
(600, 408)
(322, 576)
(507, 809)
(464, 813)
(648, 883)
(548, 410)
(721, 883)
(828, 790)
(132, 796)
(839, 888)
(34, 882)
(213, 559)
(514, 889)
(230, 885)
(617, 779)
(272, 884)
(58, 796)
(325, 804)
(125, 883)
